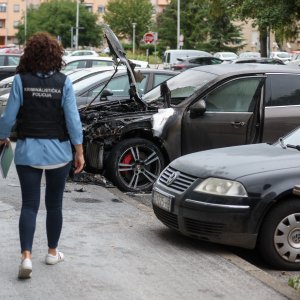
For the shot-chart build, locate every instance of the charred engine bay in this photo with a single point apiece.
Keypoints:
(109, 119)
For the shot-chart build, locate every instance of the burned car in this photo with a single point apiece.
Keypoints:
(207, 107)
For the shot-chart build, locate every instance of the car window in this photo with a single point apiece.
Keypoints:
(75, 65)
(181, 86)
(101, 63)
(159, 78)
(119, 86)
(2, 58)
(13, 60)
(234, 96)
(285, 90)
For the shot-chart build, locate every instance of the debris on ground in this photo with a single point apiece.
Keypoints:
(90, 178)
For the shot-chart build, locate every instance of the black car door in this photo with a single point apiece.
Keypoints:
(232, 116)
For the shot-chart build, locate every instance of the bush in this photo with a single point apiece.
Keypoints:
(295, 282)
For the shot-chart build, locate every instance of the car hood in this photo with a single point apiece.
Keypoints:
(119, 56)
(236, 162)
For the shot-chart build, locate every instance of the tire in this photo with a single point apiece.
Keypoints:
(279, 237)
(134, 164)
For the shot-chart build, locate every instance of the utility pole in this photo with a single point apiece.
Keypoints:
(77, 24)
(178, 24)
(133, 38)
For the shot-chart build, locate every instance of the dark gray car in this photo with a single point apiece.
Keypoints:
(202, 108)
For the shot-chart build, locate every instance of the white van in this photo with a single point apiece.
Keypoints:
(171, 56)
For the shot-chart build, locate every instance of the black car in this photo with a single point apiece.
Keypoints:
(131, 141)
(195, 61)
(242, 196)
(258, 60)
(7, 71)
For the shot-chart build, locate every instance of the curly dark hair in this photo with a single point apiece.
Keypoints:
(42, 53)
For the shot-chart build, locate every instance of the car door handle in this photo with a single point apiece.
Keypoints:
(238, 124)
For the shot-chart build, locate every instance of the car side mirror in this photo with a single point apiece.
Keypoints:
(198, 108)
(106, 93)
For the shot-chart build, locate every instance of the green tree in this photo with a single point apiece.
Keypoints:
(268, 15)
(121, 14)
(57, 17)
(205, 25)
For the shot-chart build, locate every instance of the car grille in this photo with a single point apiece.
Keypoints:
(180, 184)
(203, 228)
(166, 217)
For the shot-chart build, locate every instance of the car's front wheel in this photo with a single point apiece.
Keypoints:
(279, 238)
(134, 164)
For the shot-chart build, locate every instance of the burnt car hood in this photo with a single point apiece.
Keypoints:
(118, 52)
(235, 162)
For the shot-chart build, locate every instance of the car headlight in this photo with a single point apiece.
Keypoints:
(221, 187)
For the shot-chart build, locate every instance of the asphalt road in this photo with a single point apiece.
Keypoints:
(115, 248)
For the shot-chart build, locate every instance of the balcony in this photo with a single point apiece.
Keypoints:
(163, 2)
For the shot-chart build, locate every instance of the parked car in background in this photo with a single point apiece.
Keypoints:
(86, 62)
(195, 61)
(13, 49)
(295, 60)
(9, 59)
(249, 54)
(105, 88)
(7, 71)
(242, 196)
(284, 56)
(226, 56)
(83, 53)
(261, 60)
(170, 56)
(92, 62)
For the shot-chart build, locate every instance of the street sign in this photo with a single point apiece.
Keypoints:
(149, 37)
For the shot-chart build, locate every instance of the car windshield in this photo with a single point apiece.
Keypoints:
(181, 86)
(78, 86)
(293, 138)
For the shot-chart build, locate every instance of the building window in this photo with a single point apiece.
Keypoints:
(16, 23)
(101, 9)
(2, 24)
(89, 7)
(16, 7)
(2, 7)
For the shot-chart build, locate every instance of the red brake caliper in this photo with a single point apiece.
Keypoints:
(128, 158)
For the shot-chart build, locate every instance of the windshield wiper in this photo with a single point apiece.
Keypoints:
(297, 147)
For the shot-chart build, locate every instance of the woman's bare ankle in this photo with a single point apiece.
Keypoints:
(26, 254)
(52, 251)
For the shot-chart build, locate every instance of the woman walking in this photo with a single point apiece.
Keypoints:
(42, 104)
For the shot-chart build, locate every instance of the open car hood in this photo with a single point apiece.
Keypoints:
(119, 56)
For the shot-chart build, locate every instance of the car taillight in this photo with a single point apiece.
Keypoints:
(178, 67)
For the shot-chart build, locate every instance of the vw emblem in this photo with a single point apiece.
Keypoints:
(296, 238)
(172, 178)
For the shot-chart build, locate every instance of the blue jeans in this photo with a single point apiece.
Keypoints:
(30, 180)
